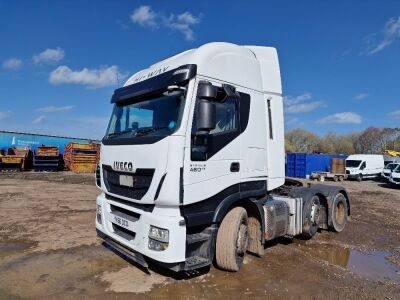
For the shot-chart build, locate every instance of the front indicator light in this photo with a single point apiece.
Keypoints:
(98, 213)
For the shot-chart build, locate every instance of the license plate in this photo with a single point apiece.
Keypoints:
(126, 180)
(121, 222)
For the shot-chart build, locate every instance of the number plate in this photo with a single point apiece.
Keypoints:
(126, 180)
(121, 222)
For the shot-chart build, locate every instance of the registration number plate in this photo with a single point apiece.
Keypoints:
(121, 222)
(126, 180)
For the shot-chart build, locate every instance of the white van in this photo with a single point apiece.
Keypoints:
(388, 169)
(394, 178)
(359, 166)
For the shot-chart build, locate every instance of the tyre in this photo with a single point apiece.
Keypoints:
(312, 213)
(341, 178)
(339, 213)
(359, 177)
(232, 240)
(335, 178)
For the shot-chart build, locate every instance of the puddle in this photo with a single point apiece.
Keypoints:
(10, 248)
(370, 264)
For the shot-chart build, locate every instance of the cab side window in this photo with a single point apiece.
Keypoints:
(226, 115)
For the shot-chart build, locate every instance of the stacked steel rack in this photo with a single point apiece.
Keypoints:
(46, 159)
(81, 158)
(15, 160)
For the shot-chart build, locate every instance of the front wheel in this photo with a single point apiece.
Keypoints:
(232, 240)
(359, 177)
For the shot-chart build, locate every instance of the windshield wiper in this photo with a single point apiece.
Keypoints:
(150, 130)
(114, 134)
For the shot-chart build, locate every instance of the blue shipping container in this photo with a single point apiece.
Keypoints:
(303, 164)
(9, 139)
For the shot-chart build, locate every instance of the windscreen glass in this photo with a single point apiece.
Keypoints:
(353, 163)
(391, 167)
(158, 116)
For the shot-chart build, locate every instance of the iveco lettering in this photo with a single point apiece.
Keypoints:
(192, 165)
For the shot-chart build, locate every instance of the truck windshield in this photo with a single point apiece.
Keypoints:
(160, 115)
(353, 163)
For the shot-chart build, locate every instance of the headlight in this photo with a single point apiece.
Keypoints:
(98, 213)
(159, 234)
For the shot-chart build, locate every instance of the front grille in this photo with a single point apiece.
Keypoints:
(122, 232)
(144, 207)
(142, 179)
(396, 179)
(124, 213)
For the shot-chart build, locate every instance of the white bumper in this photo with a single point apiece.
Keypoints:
(162, 217)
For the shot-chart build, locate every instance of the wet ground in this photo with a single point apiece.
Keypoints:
(49, 250)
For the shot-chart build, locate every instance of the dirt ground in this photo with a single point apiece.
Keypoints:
(49, 250)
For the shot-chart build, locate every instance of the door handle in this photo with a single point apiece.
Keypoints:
(235, 167)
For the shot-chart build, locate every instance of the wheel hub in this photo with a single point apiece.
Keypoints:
(242, 239)
(315, 213)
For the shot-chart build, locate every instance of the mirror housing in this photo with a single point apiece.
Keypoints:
(206, 116)
(206, 90)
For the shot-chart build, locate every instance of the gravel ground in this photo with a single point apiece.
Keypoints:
(49, 249)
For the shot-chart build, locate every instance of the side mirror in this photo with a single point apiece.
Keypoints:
(206, 116)
(206, 90)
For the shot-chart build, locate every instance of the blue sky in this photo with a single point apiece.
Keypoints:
(340, 60)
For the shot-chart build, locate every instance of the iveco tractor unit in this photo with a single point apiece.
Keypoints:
(192, 166)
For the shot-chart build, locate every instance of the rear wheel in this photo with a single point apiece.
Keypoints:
(232, 240)
(339, 213)
(312, 215)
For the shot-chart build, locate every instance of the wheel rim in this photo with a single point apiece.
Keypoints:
(314, 213)
(339, 213)
(242, 240)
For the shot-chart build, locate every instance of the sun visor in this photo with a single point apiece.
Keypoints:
(154, 83)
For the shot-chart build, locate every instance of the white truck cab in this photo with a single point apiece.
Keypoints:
(192, 166)
(361, 166)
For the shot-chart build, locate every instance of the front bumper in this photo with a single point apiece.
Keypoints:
(167, 218)
(395, 181)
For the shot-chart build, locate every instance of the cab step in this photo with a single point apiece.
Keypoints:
(196, 262)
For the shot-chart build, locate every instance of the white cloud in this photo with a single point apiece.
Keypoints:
(39, 120)
(92, 78)
(49, 56)
(4, 114)
(53, 109)
(298, 104)
(12, 64)
(288, 100)
(341, 118)
(146, 17)
(395, 114)
(389, 34)
(183, 23)
(303, 107)
(361, 96)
